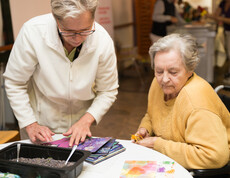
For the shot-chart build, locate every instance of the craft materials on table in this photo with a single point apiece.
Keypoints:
(136, 137)
(90, 144)
(101, 148)
(103, 154)
(145, 169)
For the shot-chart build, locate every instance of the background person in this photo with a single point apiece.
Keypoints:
(185, 119)
(222, 16)
(164, 15)
(61, 75)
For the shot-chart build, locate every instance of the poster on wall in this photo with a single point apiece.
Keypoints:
(104, 16)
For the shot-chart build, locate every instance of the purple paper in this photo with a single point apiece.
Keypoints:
(90, 144)
(93, 144)
(106, 148)
(64, 142)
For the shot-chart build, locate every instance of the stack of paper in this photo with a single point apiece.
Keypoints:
(101, 148)
(110, 149)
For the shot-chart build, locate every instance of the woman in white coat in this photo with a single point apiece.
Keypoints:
(61, 76)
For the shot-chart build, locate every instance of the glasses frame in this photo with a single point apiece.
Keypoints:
(73, 34)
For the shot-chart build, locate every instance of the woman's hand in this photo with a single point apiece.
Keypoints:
(39, 133)
(140, 134)
(80, 130)
(143, 132)
(147, 142)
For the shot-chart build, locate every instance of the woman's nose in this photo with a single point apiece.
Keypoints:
(165, 77)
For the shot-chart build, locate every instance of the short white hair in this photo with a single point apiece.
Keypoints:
(185, 44)
(72, 8)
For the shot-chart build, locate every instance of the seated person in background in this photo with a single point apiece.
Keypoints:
(185, 119)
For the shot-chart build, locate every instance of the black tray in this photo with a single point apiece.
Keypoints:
(38, 151)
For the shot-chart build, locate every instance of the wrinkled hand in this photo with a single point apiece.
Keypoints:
(38, 133)
(141, 132)
(80, 130)
(147, 142)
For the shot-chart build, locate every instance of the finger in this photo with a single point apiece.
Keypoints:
(46, 134)
(52, 133)
(77, 139)
(69, 132)
(40, 137)
(138, 142)
(33, 139)
(74, 139)
(71, 141)
(83, 138)
(49, 137)
(133, 141)
(89, 134)
(142, 132)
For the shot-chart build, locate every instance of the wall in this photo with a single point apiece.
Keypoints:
(23, 10)
(104, 16)
(123, 15)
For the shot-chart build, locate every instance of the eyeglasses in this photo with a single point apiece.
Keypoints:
(73, 34)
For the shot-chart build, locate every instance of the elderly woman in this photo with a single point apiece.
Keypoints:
(61, 76)
(185, 119)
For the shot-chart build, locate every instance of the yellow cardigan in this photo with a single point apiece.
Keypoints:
(193, 129)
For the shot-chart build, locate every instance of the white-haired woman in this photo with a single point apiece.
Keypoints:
(185, 119)
(61, 75)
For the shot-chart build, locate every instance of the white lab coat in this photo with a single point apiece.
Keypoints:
(44, 86)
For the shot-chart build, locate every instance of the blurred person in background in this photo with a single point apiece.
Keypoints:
(165, 14)
(222, 16)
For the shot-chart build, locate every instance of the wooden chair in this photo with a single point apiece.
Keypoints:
(9, 136)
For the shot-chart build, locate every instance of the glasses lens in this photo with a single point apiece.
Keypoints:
(67, 34)
(86, 33)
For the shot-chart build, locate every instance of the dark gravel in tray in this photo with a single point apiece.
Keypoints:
(49, 162)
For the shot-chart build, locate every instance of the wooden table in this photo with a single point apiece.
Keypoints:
(9, 136)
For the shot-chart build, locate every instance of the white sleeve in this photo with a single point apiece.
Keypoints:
(19, 69)
(106, 83)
